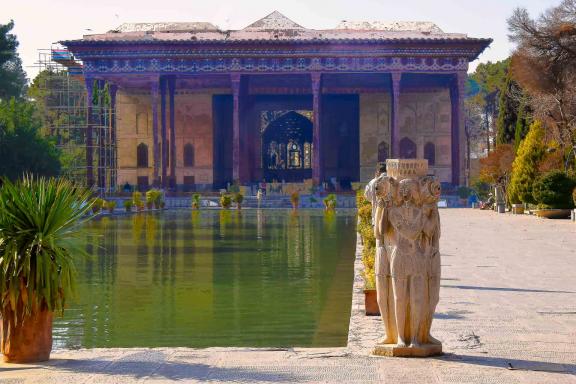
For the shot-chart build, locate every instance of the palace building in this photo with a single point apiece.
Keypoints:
(197, 107)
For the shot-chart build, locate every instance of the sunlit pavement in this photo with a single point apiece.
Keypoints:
(507, 314)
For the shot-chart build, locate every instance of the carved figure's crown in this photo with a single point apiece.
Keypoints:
(405, 168)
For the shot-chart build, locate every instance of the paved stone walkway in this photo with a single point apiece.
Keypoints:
(507, 314)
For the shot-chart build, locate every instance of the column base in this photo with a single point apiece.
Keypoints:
(393, 350)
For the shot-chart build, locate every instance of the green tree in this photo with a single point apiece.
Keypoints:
(12, 76)
(525, 167)
(22, 148)
(484, 87)
(522, 122)
(507, 112)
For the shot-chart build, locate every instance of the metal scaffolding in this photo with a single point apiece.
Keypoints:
(83, 130)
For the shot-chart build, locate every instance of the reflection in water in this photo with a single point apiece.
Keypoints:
(214, 278)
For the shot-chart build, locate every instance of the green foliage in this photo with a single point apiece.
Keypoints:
(238, 198)
(12, 76)
(481, 188)
(128, 204)
(366, 232)
(525, 166)
(153, 197)
(38, 232)
(574, 196)
(464, 192)
(522, 123)
(295, 199)
(136, 197)
(22, 149)
(111, 205)
(97, 204)
(508, 107)
(196, 201)
(330, 201)
(554, 190)
(225, 200)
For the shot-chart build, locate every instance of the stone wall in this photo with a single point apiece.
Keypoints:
(193, 120)
(425, 117)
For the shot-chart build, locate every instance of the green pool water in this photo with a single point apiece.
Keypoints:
(269, 278)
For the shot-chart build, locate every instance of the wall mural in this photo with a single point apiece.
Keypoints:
(286, 138)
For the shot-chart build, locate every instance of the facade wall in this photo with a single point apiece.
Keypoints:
(425, 117)
(375, 126)
(193, 121)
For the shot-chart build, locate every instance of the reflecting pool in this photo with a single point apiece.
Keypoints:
(266, 278)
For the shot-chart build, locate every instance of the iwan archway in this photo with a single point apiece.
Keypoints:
(287, 145)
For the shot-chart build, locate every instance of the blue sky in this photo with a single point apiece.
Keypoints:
(43, 22)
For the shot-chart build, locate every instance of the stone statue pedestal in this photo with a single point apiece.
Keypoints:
(393, 350)
(407, 263)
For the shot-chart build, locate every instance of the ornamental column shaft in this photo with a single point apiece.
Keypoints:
(113, 89)
(102, 136)
(395, 126)
(317, 171)
(457, 92)
(154, 91)
(237, 162)
(163, 132)
(171, 90)
(89, 151)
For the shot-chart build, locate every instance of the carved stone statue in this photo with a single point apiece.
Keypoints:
(407, 230)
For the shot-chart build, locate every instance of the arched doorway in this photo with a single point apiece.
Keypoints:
(407, 149)
(287, 148)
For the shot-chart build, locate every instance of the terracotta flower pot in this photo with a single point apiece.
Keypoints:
(371, 303)
(29, 341)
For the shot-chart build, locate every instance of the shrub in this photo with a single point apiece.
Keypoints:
(136, 197)
(238, 198)
(97, 205)
(153, 197)
(295, 199)
(128, 204)
(366, 232)
(111, 205)
(225, 201)
(481, 188)
(525, 166)
(196, 201)
(574, 196)
(554, 190)
(464, 192)
(330, 201)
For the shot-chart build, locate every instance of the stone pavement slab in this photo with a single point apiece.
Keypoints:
(507, 314)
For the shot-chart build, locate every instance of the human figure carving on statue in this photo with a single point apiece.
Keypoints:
(407, 231)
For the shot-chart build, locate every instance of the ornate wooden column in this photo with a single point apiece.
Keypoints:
(113, 89)
(154, 90)
(163, 132)
(396, 77)
(236, 81)
(317, 164)
(89, 126)
(102, 136)
(171, 90)
(457, 93)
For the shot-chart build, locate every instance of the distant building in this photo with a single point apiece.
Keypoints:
(198, 107)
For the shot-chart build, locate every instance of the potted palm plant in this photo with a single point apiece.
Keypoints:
(330, 202)
(38, 227)
(238, 199)
(128, 204)
(196, 201)
(295, 200)
(111, 205)
(225, 201)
